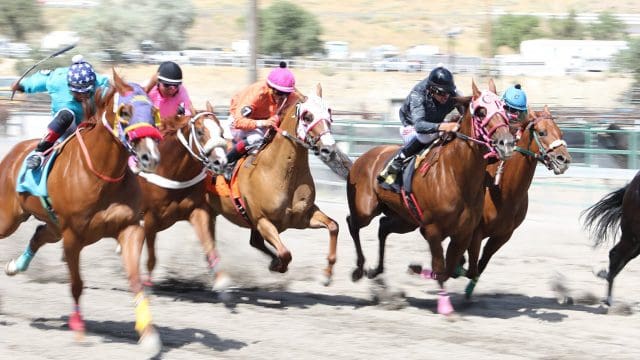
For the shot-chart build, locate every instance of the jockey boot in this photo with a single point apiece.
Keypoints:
(394, 169)
(34, 161)
(239, 149)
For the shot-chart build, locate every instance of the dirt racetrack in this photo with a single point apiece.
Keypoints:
(516, 312)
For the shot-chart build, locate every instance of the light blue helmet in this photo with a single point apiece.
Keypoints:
(515, 97)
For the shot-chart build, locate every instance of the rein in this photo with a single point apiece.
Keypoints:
(87, 158)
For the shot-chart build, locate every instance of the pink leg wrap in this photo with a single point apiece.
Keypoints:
(444, 304)
(75, 321)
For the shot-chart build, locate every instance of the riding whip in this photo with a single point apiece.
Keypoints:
(59, 52)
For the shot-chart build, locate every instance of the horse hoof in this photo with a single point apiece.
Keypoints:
(11, 268)
(146, 281)
(326, 280)
(222, 282)
(357, 274)
(150, 342)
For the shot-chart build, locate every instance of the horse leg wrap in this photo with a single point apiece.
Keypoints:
(143, 315)
(444, 303)
(428, 274)
(22, 264)
(470, 287)
(75, 320)
(212, 261)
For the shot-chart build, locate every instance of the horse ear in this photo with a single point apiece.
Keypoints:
(319, 90)
(492, 86)
(209, 106)
(546, 110)
(474, 89)
(121, 86)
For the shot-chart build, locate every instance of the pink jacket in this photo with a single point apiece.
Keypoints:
(169, 106)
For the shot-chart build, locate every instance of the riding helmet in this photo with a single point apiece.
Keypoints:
(515, 97)
(81, 77)
(442, 79)
(282, 79)
(170, 73)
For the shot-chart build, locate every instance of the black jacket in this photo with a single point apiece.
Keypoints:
(422, 111)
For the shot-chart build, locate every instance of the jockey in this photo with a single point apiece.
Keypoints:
(255, 109)
(167, 93)
(422, 115)
(72, 90)
(515, 101)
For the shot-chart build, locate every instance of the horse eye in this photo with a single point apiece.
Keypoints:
(125, 113)
(542, 133)
(308, 117)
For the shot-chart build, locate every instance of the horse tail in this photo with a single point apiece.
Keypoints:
(602, 219)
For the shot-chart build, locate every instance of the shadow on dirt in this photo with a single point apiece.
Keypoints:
(273, 298)
(123, 332)
(507, 306)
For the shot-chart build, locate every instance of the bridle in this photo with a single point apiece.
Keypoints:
(543, 153)
(493, 105)
(201, 152)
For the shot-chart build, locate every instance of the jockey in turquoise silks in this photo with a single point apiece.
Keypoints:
(68, 87)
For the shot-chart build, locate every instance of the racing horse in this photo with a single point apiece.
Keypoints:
(276, 187)
(618, 210)
(92, 194)
(506, 197)
(449, 191)
(192, 146)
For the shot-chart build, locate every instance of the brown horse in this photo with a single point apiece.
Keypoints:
(191, 147)
(276, 186)
(618, 210)
(92, 193)
(506, 204)
(449, 191)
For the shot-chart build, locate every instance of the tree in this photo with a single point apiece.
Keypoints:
(567, 28)
(19, 17)
(511, 30)
(628, 60)
(288, 30)
(112, 30)
(608, 27)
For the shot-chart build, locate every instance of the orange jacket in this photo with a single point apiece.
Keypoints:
(258, 97)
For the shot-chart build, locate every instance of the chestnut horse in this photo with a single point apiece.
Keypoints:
(191, 147)
(506, 204)
(618, 210)
(449, 191)
(276, 186)
(92, 193)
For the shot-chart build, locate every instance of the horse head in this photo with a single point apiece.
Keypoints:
(314, 125)
(547, 137)
(490, 122)
(206, 140)
(129, 114)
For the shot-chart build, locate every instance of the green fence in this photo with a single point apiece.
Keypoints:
(590, 144)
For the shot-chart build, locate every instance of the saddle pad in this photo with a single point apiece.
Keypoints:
(35, 181)
(219, 186)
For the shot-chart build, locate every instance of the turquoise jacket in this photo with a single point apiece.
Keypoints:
(54, 82)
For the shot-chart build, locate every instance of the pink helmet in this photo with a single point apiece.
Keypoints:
(282, 79)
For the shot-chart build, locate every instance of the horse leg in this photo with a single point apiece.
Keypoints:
(624, 251)
(205, 227)
(131, 239)
(72, 247)
(438, 272)
(354, 230)
(388, 225)
(321, 220)
(474, 252)
(257, 241)
(44, 234)
(270, 233)
(150, 234)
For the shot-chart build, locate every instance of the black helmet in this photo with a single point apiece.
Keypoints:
(170, 73)
(442, 79)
